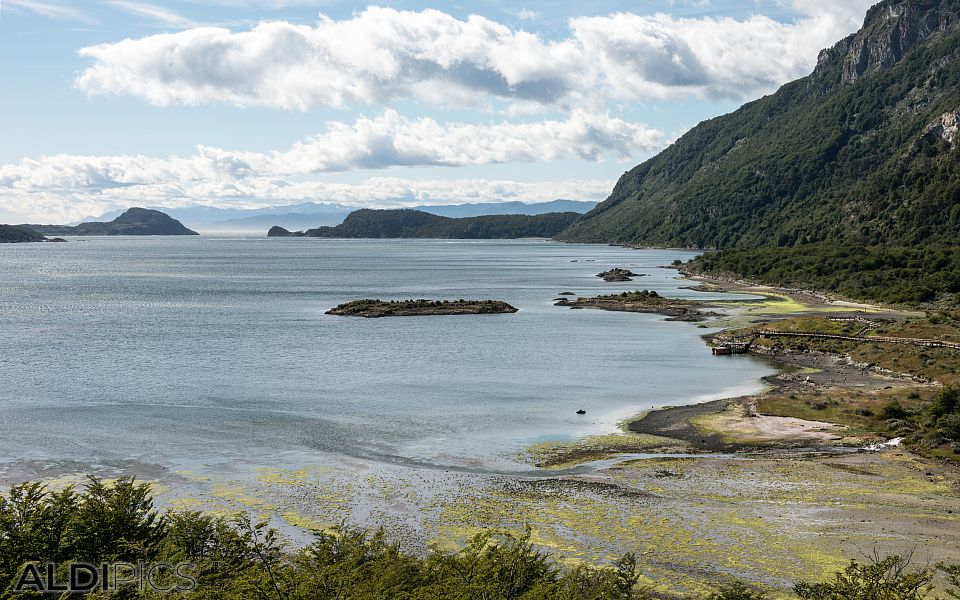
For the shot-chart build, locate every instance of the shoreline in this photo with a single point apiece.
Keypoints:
(686, 427)
(749, 506)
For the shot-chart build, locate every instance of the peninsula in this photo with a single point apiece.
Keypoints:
(13, 234)
(406, 223)
(372, 309)
(135, 221)
(645, 301)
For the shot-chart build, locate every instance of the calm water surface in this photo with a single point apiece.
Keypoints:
(214, 353)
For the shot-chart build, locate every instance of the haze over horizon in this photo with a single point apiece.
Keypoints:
(244, 104)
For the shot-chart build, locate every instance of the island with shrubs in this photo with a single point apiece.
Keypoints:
(410, 308)
(617, 274)
(644, 301)
(14, 234)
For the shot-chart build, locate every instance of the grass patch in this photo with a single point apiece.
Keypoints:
(860, 411)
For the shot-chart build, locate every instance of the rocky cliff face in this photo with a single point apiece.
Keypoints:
(890, 30)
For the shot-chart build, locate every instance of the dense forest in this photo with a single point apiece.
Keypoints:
(406, 223)
(893, 274)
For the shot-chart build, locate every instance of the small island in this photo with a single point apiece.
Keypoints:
(618, 274)
(12, 234)
(372, 309)
(134, 221)
(645, 301)
(408, 223)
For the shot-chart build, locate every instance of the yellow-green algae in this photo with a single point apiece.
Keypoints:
(695, 520)
(569, 453)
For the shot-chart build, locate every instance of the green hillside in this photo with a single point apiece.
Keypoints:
(11, 234)
(863, 150)
(134, 221)
(405, 223)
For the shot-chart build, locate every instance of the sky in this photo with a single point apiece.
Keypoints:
(106, 104)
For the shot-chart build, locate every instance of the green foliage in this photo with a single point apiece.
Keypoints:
(239, 559)
(117, 521)
(737, 591)
(946, 402)
(953, 578)
(892, 410)
(887, 274)
(891, 578)
(35, 525)
(635, 296)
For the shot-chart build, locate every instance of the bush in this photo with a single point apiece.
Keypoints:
(891, 578)
(737, 591)
(892, 410)
(945, 402)
(237, 559)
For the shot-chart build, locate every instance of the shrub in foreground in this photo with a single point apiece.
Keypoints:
(237, 559)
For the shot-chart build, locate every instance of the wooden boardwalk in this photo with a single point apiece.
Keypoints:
(859, 338)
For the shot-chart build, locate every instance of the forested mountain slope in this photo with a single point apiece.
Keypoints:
(864, 151)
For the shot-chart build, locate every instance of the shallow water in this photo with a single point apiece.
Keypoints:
(214, 355)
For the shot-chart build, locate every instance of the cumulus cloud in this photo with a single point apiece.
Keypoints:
(369, 143)
(22, 205)
(381, 54)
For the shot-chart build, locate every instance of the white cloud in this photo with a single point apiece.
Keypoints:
(51, 10)
(153, 12)
(380, 54)
(67, 205)
(377, 55)
(658, 56)
(70, 184)
(384, 141)
(391, 139)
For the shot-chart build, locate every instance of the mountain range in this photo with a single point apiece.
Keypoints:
(309, 215)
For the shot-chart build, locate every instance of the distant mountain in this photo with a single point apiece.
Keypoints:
(310, 215)
(258, 223)
(134, 221)
(865, 150)
(211, 219)
(12, 234)
(407, 223)
(479, 209)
